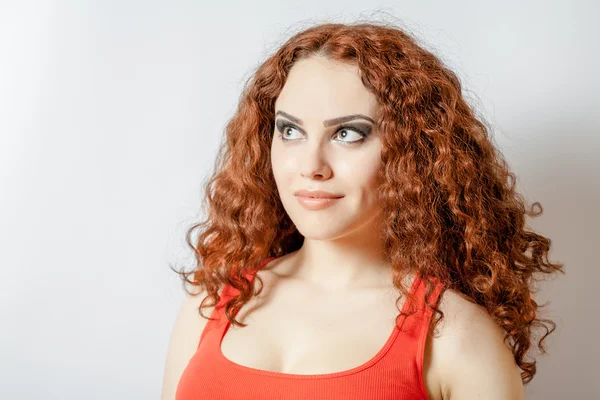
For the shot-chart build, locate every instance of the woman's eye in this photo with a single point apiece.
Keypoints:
(285, 130)
(347, 132)
(343, 133)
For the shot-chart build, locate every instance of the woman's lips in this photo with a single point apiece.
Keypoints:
(314, 203)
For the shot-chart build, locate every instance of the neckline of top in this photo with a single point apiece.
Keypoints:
(372, 361)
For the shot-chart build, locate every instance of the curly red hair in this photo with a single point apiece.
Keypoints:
(448, 198)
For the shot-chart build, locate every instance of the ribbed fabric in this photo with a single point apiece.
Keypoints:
(395, 372)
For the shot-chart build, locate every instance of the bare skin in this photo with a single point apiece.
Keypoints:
(296, 328)
(308, 338)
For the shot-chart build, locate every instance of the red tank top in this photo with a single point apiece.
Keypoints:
(395, 372)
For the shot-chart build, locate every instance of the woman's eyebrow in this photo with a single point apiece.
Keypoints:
(328, 122)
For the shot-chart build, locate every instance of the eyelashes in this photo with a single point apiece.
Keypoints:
(363, 130)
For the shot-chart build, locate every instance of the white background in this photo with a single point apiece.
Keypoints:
(110, 116)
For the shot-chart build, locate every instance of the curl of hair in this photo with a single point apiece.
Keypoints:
(447, 194)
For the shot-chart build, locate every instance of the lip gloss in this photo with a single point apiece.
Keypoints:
(314, 203)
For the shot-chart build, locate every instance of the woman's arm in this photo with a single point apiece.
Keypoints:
(183, 343)
(477, 364)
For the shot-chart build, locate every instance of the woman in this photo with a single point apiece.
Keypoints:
(358, 187)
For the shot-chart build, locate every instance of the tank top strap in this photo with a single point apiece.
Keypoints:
(215, 315)
(422, 333)
(406, 354)
(433, 298)
(422, 313)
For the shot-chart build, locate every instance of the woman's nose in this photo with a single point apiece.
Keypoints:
(314, 163)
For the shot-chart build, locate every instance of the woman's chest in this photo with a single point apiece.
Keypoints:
(291, 334)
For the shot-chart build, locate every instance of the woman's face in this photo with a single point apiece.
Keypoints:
(338, 157)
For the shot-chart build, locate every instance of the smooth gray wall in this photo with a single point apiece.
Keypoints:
(110, 114)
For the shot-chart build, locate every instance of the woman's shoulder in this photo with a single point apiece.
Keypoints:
(184, 339)
(464, 320)
(468, 351)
